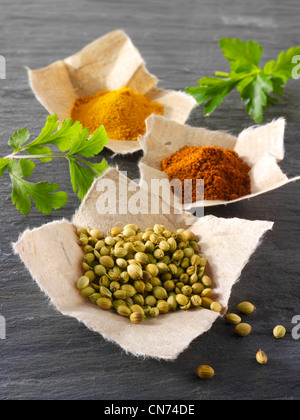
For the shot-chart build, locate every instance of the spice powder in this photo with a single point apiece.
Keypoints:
(122, 112)
(225, 174)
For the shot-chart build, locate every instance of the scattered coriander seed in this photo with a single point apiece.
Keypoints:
(261, 357)
(94, 297)
(104, 303)
(246, 308)
(91, 275)
(83, 282)
(159, 229)
(114, 286)
(187, 306)
(162, 267)
(187, 290)
(115, 231)
(233, 319)
(136, 317)
(207, 281)
(169, 285)
(120, 294)
(189, 236)
(89, 258)
(172, 302)
(132, 226)
(207, 292)
(138, 299)
(207, 302)
(127, 232)
(146, 309)
(120, 252)
(105, 292)
(139, 286)
(182, 299)
(137, 308)
(154, 312)
(88, 291)
(82, 231)
(188, 252)
(197, 288)
(279, 331)
(107, 262)
(123, 310)
(196, 300)
(160, 293)
(121, 263)
(142, 258)
(205, 372)
(110, 241)
(96, 233)
(163, 306)
(243, 329)
(150, 300)
(194, 279)
(130, 290)
(173, 244)
(216, 307)
(178, 255)
(135, 272)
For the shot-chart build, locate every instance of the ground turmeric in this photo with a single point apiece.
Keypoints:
(122, 112)
(225, 174)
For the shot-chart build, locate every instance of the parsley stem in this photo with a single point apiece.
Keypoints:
(15, 156)
(11, 156)
(221, 74)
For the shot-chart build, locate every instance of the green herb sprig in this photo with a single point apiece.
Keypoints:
(74, 143)
(257, 86)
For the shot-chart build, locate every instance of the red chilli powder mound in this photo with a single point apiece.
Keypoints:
(225, 174)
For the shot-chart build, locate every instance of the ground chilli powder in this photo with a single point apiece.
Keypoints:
(122, 112)
(225, 174)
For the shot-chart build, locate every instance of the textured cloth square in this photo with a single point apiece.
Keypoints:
(54, 258)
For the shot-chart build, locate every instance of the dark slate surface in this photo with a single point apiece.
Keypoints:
(49, 356)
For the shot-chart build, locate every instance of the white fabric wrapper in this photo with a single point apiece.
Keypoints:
(109, 63)
(259, 146)
(54, 258)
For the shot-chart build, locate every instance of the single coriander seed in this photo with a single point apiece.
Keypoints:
(205, 372)
(279, 331)
(261, 357)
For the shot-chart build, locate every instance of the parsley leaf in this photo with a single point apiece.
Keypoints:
(257, 86)
(40, 150)
(89, 148)
(43, 194)
(18, 139)
(82, 178)
(61, 137)
(254, 95)
(3, 165)
(212, 90)
(68, 137)
(283, 67)
(98, 168)
(240, 53)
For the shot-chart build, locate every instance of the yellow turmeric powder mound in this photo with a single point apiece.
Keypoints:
(122, 112)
